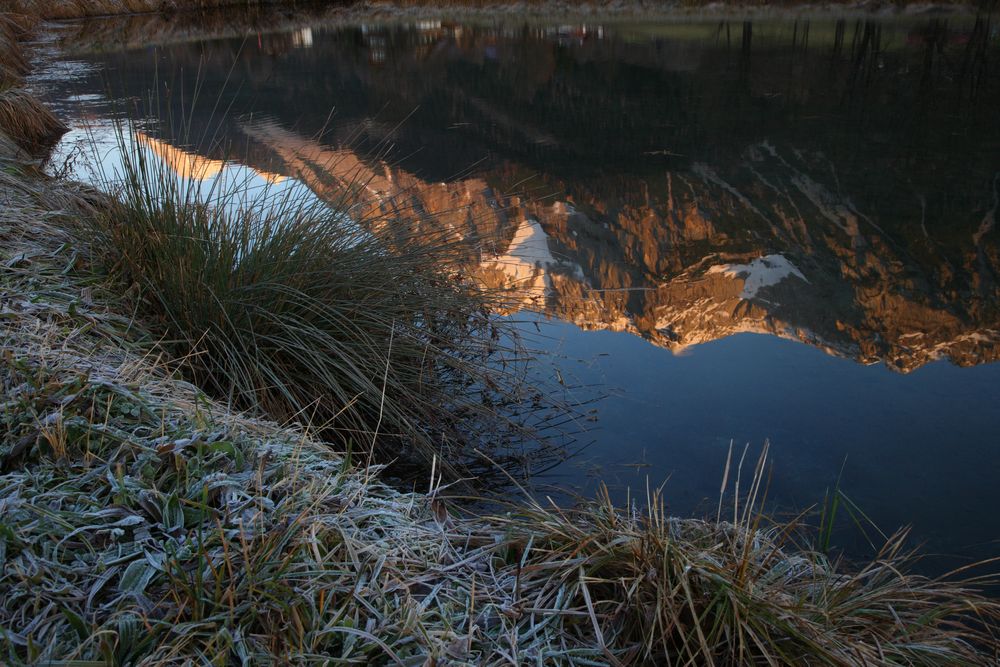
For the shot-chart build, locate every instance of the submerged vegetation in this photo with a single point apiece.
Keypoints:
(144, 519)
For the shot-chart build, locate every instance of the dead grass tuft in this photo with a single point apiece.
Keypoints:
(26, 120)
(13, 65)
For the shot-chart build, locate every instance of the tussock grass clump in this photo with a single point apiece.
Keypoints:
(26, 120)
(13, 64)
(282, 305)
(646, 588)
(9, 76)
(22, 118)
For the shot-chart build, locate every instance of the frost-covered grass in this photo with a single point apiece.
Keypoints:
(143, 523)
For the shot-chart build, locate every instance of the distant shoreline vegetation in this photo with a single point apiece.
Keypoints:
(53, 9)
(143, 521)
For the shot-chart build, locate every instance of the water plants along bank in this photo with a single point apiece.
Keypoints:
(144, 522)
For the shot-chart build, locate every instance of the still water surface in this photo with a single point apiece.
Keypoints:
(741, 231)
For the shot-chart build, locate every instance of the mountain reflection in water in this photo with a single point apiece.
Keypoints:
(662, 171)
(834, 182)
(780, 254)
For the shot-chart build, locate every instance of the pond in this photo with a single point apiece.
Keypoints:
(737, 231)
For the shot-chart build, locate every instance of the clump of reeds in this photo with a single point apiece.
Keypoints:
(641, 587)
(27, 121)
(285, 306)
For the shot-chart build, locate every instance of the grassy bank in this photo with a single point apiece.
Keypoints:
(143, 522)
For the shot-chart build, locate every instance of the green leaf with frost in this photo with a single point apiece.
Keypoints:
(76, 623)
(136, 577)
(173, 515)
(156, 559)
(227, 447)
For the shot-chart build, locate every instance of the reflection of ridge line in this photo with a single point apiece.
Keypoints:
(691, 307)
(184, 164)
(187, 164)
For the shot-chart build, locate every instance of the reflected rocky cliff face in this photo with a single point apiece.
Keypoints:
(779, 253)
(835, 183)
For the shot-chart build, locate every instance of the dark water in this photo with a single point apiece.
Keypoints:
(740, 231)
